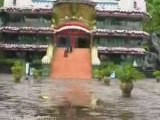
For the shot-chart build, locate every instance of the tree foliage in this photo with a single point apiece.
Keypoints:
(128, 73)
(1, 3)
(153, 7)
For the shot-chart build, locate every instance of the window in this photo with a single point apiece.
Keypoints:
(100, 22)
(115, 21)
(135, 4)
(14, 2)
(63, 41)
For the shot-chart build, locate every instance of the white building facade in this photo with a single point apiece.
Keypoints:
(125, 5)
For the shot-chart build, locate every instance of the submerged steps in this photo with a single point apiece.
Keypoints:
(77, 65)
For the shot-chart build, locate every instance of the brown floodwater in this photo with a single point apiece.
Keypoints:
(48, 99)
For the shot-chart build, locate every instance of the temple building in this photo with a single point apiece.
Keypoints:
(96, 31)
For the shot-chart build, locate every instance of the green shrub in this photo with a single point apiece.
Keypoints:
(105, 70)
(37, 61)
(45, 70)
(37, 74)
(17, 71)
(128, 73)
(9, 61)
(97, 73)
(156, 74)
(1, 3)
(37, 64)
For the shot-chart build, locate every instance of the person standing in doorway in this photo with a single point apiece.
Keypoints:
(66, 52)
(70, 48)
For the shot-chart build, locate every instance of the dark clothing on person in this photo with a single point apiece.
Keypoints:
(66, 52)
(70, 49)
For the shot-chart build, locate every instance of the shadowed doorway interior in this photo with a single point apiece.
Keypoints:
(63, 41)
(82, 42)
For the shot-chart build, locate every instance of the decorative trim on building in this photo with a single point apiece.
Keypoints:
(23, 47)
(27, 10)
(120, 50)
(120, 13)
(41, 30)
(97, 32)
(72, 28)
(106, 32)
(49, 11)
(89, 2)
(73, 23)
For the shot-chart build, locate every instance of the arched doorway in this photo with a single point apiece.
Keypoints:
(74, 34)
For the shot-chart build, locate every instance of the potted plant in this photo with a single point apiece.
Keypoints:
(157, 75)
(36, 74)
(96, 74)
(105, 73)
(107, 70)
(127, 75)
(17, 71)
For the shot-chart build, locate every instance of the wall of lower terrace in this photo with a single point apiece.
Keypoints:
(118, 23)
(25, 21)
(37, 39)
(119, 42)
(123, 58)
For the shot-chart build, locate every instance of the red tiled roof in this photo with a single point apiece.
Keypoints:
(97, 32)
(49, 11)
(121, 50)
(28, 10)
(24, 47)
(131, 33)
(41, 30)
(121, 13)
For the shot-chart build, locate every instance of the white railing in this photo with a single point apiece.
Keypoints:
(123, 5)
(49, 54)
(107, 5)
(95, 59)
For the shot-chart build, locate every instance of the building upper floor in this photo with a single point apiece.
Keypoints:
(119, 23)
(30, 14)
(123, 5)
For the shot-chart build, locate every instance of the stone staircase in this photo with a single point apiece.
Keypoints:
(77, 65)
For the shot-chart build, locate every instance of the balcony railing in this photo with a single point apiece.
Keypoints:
(28, 24)
(119, 43)
(107, 6)
(118, 27)
(23, 47)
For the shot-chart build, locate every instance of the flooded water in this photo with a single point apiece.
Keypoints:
(75, 100)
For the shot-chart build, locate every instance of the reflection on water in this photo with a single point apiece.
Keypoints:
(73, 100)
(126, 116)
(77, 95)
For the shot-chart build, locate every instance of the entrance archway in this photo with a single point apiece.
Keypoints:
(77, 36)
(74, 34)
